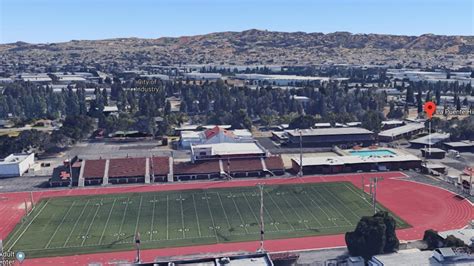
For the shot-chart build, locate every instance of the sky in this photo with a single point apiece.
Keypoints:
(47, 21)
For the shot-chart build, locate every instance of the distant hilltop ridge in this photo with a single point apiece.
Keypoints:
(255, 47)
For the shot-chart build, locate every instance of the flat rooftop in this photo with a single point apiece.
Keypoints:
(231, 148)
(329, 131)
(342, 160)
(393, 132)
(14, 158)
(431, 139)
(458, 144)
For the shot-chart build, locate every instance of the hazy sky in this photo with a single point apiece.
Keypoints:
(40, 21)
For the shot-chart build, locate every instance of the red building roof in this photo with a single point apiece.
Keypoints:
(94, 169)
(207, 167)
(242, 165)
(274, 163)
(160, 165)
(210, 133)
(127, 167)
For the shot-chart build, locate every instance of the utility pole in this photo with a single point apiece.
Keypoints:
(300, 173)
(32, 201)
(470, 180)
(152, 170)
(262, 224)
(373, 191)
(26, 208)
(70, 171)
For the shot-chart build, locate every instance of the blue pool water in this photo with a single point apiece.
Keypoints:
(366, 153)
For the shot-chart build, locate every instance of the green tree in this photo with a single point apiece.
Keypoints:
(303, 122)
(373, 235)
(372, 120)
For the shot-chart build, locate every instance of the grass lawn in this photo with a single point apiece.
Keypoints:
(104, 223)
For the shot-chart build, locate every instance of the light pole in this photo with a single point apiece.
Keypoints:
(300, 173)
(373, 190)
(70, 171)
(262, 224)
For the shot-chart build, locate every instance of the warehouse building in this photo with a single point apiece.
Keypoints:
(328, 137)
(406, 131)
(351, 164)
(460, 146)
(434, 139)
(226, 150)
(16, 164)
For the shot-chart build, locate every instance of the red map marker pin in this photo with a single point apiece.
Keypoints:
(430, 109)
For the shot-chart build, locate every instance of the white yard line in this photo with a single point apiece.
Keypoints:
(223, 209)
(342, 203)
(325, 213)
(332, 206)
(240, 215)
(182, 215)
(299, 217)
(167, 217)
(212, 218)
(138, 215)
(197, 216)
(251, 210)
(308, 210)
(152, 217)
(123, 218)
(107, 222)
(75, 224)
(271, 217)
(282, 213)
(60, 224)
(29, 224)
(365, 200)
(91, 223)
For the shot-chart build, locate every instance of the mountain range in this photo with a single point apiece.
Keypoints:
(252, 47)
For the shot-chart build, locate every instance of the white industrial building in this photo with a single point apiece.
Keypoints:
(16, 164)
(226, 150)
(280, 79)
(214, 136)
(202, 76)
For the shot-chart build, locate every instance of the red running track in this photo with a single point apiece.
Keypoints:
(422, 206)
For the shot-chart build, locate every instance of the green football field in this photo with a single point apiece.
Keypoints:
(103, 223)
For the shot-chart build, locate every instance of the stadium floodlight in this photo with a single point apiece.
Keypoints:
(300, 173)
(152, 170)
(262, 223)
(373, 191)
(70, 172)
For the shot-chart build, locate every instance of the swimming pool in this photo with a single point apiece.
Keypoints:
(366, 153)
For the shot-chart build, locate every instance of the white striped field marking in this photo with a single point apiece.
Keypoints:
(138, 215)
(278, 207)
(29, 224)
(75, 224)
(167, 217)
(240, 215)
(223, 209)
(91, 223)
(123, 218)
(60, 224)
(152, 217)
(197, 216)
(212, 218)
(107, 222)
